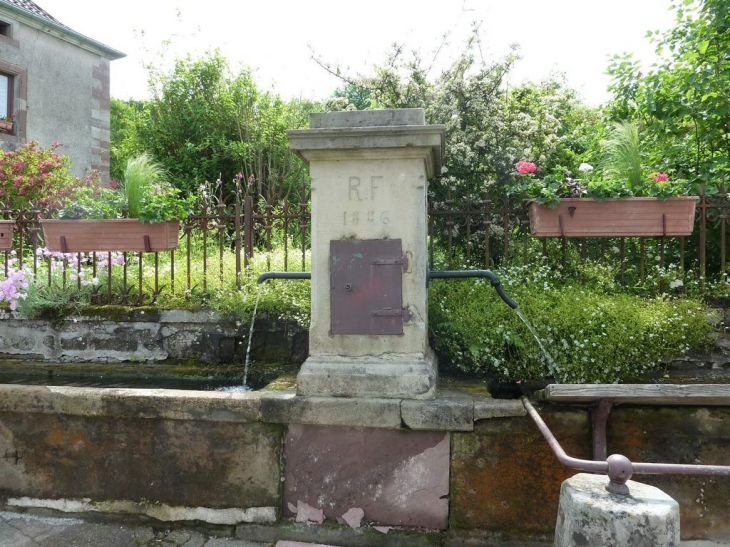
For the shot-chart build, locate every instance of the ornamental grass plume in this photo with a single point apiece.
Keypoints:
(623, 153)
(140, 173)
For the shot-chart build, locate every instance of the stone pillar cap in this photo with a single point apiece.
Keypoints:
(367, 118)
(368, 133)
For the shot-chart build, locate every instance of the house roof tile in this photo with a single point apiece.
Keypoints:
(33, 8)
(54, 26)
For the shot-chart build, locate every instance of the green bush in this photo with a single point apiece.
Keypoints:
(592, 335)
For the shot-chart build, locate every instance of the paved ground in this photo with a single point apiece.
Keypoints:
(18, 530)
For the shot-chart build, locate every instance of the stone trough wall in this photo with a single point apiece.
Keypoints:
(461, 468)
(118, 334)
(465, 468)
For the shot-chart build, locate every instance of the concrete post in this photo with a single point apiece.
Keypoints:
(589, 515)
(369, 172)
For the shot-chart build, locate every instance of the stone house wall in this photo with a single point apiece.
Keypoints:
(61, 83)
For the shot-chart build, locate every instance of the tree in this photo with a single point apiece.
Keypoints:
(204, 122)
(683, 101)
(490, 125)
(126, 116)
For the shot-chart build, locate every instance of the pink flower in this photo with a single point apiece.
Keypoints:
(661, 177)
(523, 167)
(239, 176)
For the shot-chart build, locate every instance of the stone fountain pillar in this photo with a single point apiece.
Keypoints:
(369, 330)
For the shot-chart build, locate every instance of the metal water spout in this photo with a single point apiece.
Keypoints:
(445, 274)
(460, 274)
(283, 275)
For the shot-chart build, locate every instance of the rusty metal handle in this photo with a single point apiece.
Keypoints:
(619, 468)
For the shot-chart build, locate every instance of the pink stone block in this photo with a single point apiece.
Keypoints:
(397, 478)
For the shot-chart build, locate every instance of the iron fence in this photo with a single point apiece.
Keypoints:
(468, 232)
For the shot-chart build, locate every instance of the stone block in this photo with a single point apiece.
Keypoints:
(175, 463)
(25, 343)
(501, 469)
(73, 343)
(300, 544)
(398, 478)
(498, 408)
(589, 515)
(181, 405)
(285, 408)
(680, 435)
(127, 343)
(49, 342)
(333, 534)
(388, 377)
(448, 412)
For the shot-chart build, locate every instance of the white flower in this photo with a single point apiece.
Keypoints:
(676, 283)
(583, 167)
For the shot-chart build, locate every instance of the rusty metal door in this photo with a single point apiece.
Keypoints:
(366, 286)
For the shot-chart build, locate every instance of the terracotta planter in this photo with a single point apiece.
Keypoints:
(630, 217)
(6, 126)
(129, 234)
(6, 234)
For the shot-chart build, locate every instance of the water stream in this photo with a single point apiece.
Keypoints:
(550, 361)
(250, 337)
(243, 386)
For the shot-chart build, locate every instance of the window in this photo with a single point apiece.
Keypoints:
(6, 95)
(5, 29)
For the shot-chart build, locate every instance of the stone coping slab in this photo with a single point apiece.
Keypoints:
(451, 410)
(644, 394)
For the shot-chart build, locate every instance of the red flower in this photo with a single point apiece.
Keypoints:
(661, 177)
(523, 167)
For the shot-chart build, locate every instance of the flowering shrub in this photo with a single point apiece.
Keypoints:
(592, 335)
(36, 175)
(13, 288)
(31, 297)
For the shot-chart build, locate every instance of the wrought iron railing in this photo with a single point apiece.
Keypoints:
(472, 232)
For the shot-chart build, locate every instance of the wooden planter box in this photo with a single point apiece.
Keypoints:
(6, 127)
(6, 234)
(629, 217)
(128, 234)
